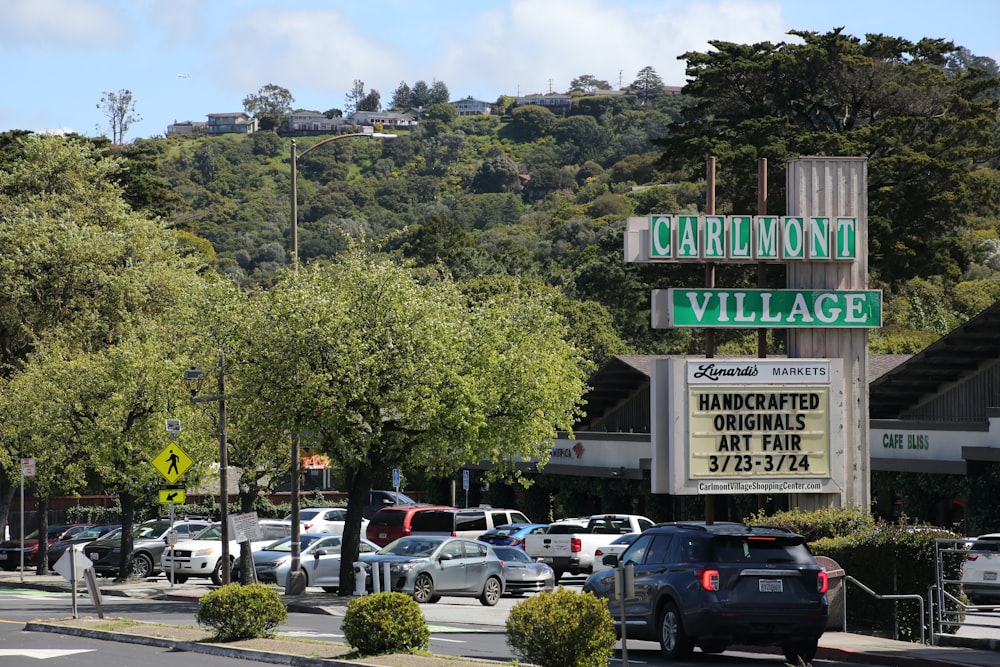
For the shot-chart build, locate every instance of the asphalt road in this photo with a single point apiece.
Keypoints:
(454, 639)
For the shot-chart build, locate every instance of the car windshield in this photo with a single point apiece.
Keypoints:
(213, 532)
(115, 534)
(628, 538)
(504, 531)
(285, 543)
(90, 533)
(511, 554)
(406, 547)
(150, 529)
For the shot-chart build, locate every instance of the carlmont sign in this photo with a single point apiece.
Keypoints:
(746, 238)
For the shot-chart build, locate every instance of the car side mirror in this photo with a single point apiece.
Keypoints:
(319, 552)
(445, 557)
(611, 560)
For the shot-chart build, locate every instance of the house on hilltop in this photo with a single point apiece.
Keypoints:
(471, 107)
(231, 123)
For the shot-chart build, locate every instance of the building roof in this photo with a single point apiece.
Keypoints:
(960, 353)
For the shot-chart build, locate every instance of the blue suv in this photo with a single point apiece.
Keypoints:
(716, 585)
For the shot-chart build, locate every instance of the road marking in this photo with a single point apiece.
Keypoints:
(41, 653)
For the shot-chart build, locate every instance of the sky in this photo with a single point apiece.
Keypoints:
(185, 59)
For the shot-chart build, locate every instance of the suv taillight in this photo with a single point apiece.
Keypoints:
(575, 545)
(709, 580)
(822, 582)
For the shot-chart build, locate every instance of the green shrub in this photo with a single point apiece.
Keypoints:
(242, 612)
(562, 629)
(385, 623)
(818, 523)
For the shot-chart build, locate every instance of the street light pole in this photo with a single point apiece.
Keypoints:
(194, 377)
(295, 584)
(295, 182)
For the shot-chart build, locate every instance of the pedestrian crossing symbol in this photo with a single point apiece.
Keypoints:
(172, 462)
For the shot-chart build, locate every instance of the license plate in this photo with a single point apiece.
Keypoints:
(770, 585)
(989, 576)
(382, 536)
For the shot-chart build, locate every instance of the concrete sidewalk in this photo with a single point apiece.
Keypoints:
(844, 646)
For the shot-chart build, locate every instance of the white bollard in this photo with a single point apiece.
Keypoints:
(376, 583)
(360, 573)
(387, 577)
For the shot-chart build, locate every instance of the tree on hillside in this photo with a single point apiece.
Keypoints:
(588, 83)
(496, 174)
(354, 96)
(270, 99)
(401, 97)
(924, 129)
(269, 105)
(119, 109)
(370, 102)
(397, 372)
(648, 85)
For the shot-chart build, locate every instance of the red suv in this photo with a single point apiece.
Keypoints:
(392, 523)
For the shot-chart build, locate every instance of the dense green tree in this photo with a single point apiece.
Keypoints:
(397, 373)
(587, 84)
(923, 128)
(370, 102)
(497, 174)
(648, 85)
(402, 97)
(530, 122)
(270, 99)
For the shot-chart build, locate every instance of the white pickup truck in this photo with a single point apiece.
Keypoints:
(573, 552)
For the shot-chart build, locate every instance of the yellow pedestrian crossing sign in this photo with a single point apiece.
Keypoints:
(172, 462)
(172, 496)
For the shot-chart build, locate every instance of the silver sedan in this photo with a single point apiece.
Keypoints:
(524, 575)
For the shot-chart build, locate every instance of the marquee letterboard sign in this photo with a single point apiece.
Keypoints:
(748, 426)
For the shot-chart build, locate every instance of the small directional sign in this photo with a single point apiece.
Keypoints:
(172, 496)
(172, 462)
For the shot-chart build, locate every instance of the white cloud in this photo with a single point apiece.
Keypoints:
(62, 23)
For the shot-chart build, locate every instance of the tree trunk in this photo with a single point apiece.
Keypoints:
(7, 490)
(358, 480)
(42, 564)
(128, 517)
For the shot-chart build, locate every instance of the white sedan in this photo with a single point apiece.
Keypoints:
(616, 547)
(324, 520)
(320, 563)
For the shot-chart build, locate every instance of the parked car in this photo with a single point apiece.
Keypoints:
(511, 534)
(980, 580)
(616, 546)
(149, 540)
(573, 550)
(522, 574)
(377, 499)
(85, 536)
(201, 556)
(10, 551)
(721, 584)
(320, 563)
(391, 523)
(270, 556)
(431, 566)
(468, 522)
(324, 520)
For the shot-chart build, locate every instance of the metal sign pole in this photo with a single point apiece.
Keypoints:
(22, 523)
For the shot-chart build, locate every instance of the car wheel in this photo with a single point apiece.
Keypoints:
(491, 592)
(217, 573)
(434, 598)
(423, 588)
(142, 566)
(713, 648)
(177, 578)
(674, 643)
(330, 589)
(801, 653)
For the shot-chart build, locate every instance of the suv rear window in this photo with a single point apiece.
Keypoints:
(986, 544)
(760, 550)
(388, 518)
(433, 521)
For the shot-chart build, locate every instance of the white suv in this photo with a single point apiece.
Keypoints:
(981, 575)
(201, 556)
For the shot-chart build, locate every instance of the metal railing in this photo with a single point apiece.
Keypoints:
(877, 596)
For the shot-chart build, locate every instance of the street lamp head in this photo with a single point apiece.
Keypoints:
(382, 135)
(193, 379)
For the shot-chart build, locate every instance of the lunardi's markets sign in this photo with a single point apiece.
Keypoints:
(747, 426)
